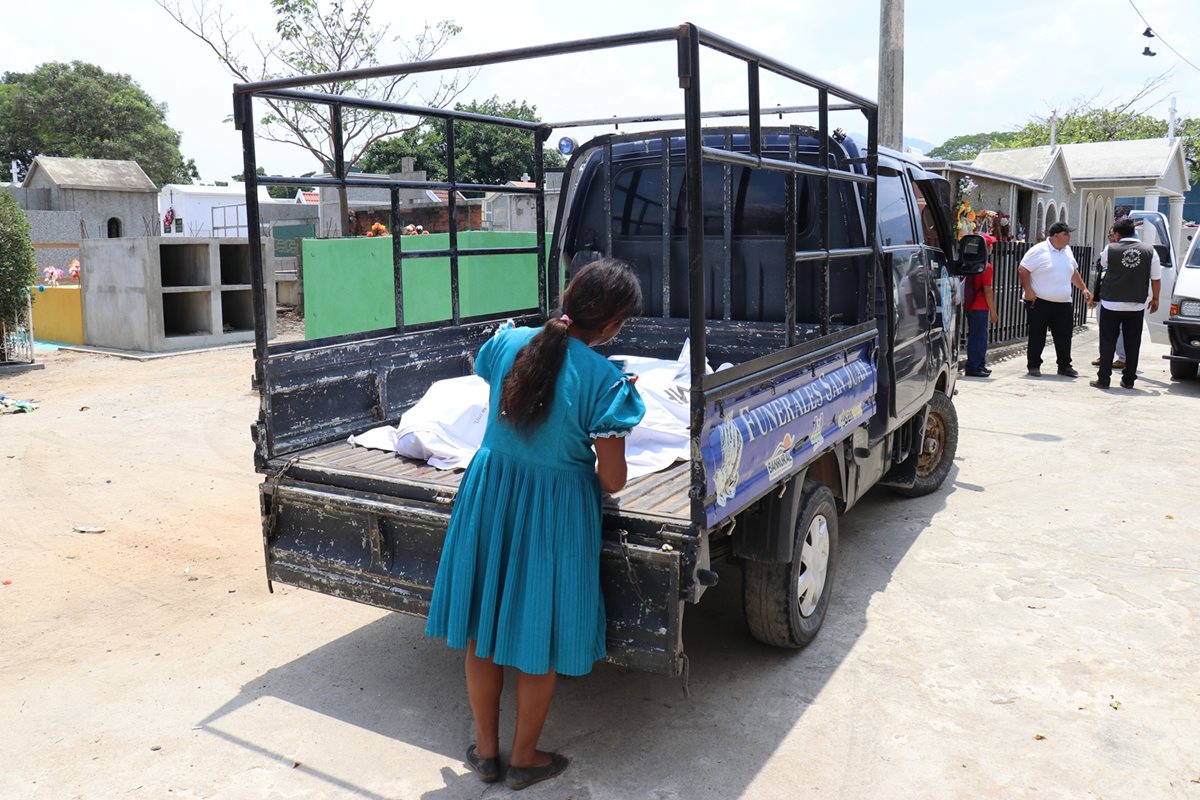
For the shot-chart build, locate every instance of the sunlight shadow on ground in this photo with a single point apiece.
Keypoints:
(1033, 437)
(623, 729)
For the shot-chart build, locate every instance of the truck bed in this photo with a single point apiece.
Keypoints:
(659, 498)
(369, 525)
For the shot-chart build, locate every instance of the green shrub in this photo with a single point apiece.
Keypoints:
(18, 267)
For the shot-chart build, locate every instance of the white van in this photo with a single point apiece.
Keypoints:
(1177, 321)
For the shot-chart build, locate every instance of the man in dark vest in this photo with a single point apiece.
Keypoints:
(1131, 271)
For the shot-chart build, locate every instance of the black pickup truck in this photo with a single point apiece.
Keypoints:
(820, 271)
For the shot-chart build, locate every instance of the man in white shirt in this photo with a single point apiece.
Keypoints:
(1048, 271)
(1130, 269)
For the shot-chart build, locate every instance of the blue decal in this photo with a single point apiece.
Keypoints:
(760, 438)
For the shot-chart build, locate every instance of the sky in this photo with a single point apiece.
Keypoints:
(968, 67)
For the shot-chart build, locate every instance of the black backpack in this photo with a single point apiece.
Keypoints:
(969, 291)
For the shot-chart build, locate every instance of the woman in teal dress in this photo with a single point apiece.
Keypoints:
(518, 583)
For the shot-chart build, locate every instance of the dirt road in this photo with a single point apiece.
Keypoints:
(1031, 630)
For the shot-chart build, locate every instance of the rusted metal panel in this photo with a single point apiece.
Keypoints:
(643, 607)
(384, 551)
(324, 393)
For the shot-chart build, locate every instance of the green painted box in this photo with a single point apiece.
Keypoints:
(348, 284)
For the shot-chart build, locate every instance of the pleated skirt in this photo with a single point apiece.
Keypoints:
(520, 568)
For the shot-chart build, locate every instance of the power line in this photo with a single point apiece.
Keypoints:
(1161, 39)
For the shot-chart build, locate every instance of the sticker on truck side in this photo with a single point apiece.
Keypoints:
(762, 437)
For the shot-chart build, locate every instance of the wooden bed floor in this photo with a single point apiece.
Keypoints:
(662, 494)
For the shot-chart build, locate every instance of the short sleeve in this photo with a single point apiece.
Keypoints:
(618, 410)
(1030, 260)
(485, 359)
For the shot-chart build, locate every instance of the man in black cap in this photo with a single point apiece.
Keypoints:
(1047, 273)
(1131, 270)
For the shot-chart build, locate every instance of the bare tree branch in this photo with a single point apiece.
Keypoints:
(314, 38)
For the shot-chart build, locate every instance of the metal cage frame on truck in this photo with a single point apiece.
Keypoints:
(689, 40)
(370, 529)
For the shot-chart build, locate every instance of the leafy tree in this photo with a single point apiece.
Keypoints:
(1086, 122)
(1110, 125)
(18, 267)
(78, 110)
(313, 37)
(967, 146)
(482, 153)
(425, 144)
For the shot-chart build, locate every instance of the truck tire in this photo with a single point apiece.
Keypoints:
(1184, 370)
(785, 603)
(938, 448)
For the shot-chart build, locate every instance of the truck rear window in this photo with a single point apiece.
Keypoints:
(755, 287)
(757, 208)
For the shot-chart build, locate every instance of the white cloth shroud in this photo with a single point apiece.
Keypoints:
(446, 426)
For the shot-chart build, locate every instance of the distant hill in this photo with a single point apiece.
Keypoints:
(920, 144)
(909, 141)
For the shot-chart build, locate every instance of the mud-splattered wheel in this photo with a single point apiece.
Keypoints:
(938, 447)
(785, 603)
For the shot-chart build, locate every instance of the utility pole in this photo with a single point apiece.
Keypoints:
(891, 73)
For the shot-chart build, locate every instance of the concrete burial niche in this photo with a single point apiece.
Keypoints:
(156, 295)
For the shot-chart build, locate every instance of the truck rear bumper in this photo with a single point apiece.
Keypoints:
(384, 551)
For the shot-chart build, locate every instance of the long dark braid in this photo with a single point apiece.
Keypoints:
(602, 292)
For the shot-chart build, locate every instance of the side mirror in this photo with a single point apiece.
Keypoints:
(1164, 254)
(972, 255)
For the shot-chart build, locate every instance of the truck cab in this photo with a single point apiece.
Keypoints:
(912, 279)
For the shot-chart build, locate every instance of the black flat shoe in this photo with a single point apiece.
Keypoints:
(1098, 384)
(1069, 372)
(488, 768)
(1034, 372)
(1125, 385)
(978, 373)
(522, 777)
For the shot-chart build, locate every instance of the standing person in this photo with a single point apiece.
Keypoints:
(518, 583)
(1119, 362)
(981, 311)
(1130, 269)
(1047, 273)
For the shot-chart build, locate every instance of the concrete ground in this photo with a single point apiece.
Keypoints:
(1029, 631)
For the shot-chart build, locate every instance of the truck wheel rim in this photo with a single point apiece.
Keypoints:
(814, 564)
(932, 447)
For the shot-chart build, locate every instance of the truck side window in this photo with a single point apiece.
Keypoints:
(925, 213)
(891, 209)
